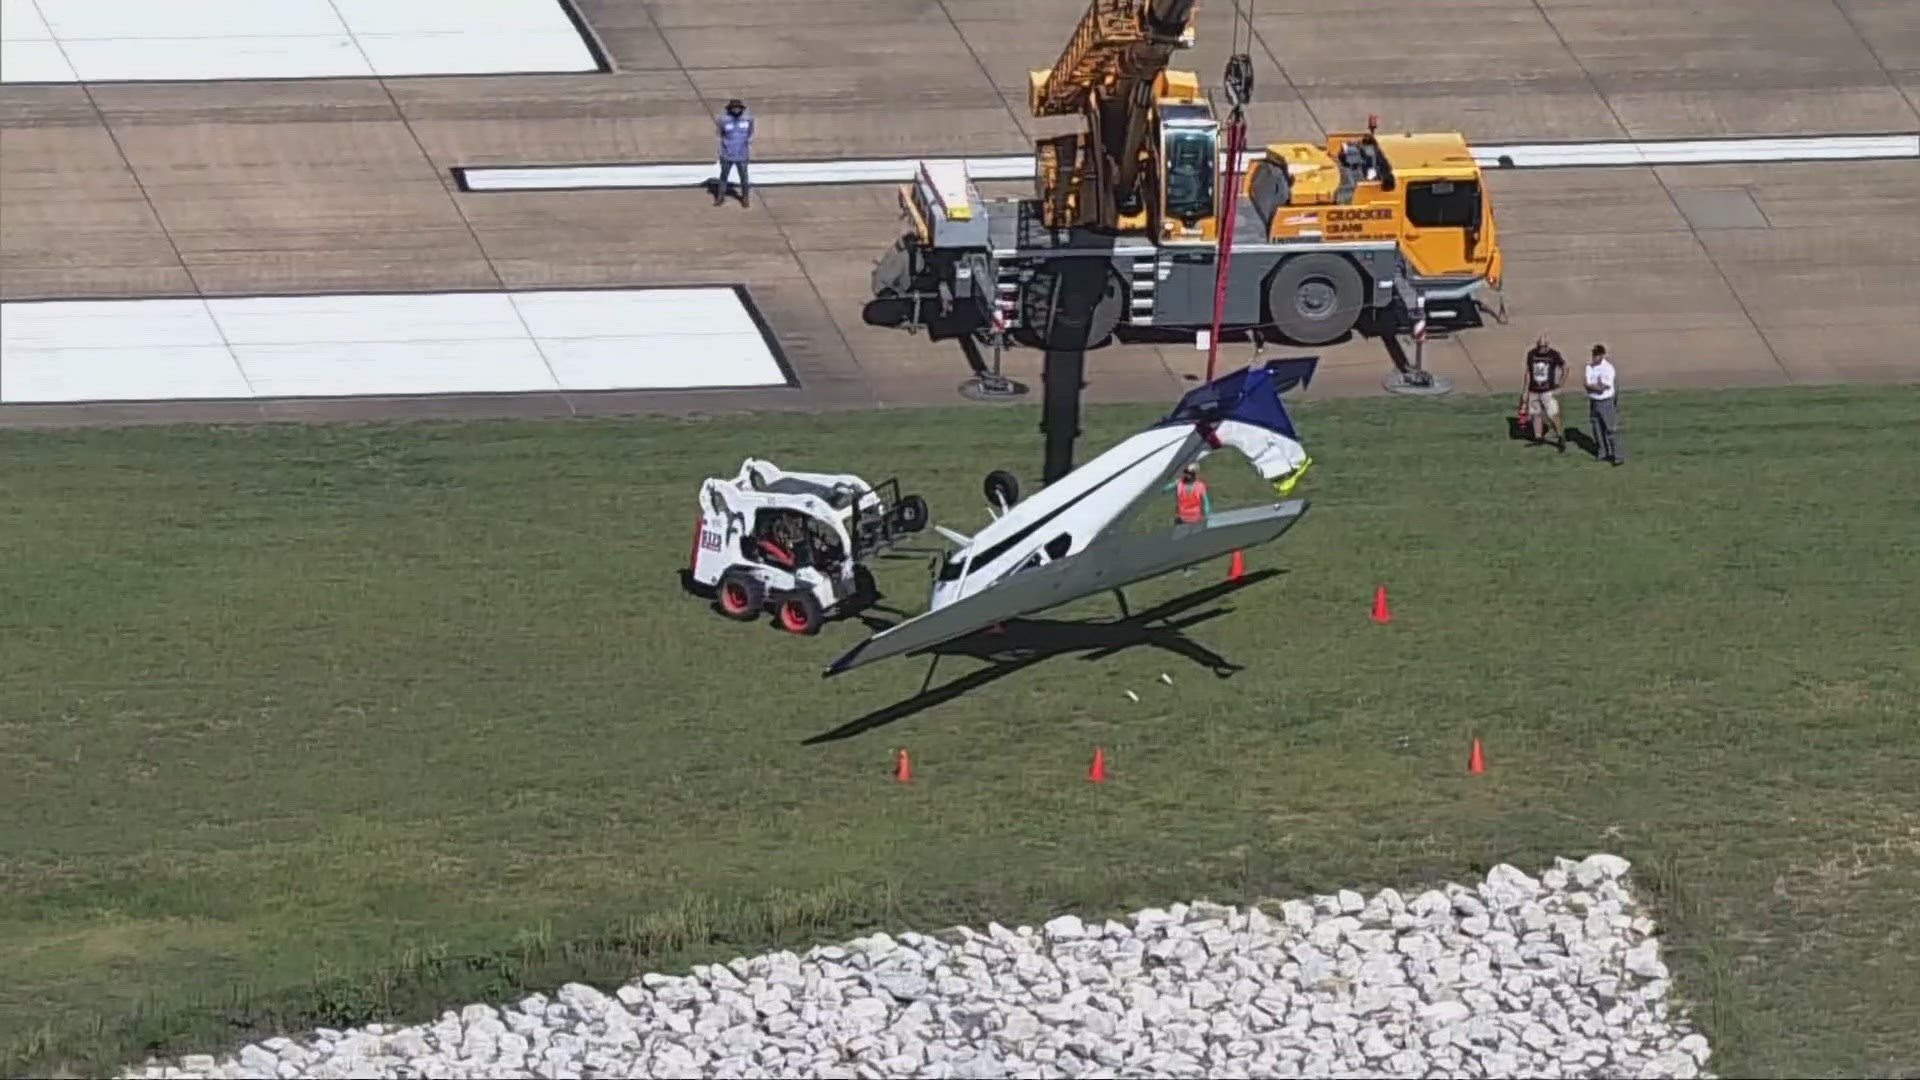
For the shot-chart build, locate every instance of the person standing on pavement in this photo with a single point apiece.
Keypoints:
(1603, 403)
(736, 139)
(1546, 370)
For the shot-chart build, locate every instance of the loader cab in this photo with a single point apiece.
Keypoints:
(1189, 180)
(793, 541)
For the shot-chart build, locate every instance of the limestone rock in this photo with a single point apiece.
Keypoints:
(1558, 975)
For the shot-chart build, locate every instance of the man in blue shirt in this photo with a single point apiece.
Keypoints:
(736, 135)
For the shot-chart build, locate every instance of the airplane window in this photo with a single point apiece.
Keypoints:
(1058, 547)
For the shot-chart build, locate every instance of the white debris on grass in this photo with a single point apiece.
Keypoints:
(1556, 976)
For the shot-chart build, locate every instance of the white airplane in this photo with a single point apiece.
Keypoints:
(1061, 545)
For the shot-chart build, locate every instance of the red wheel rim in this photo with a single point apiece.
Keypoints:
(734, 597)
(793, 615)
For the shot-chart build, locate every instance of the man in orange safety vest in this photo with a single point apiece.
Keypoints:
(1190, 498)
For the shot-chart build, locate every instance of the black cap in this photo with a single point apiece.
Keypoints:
(1599, 350)
(735, 103)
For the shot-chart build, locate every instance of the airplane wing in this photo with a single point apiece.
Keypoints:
(1115, 562)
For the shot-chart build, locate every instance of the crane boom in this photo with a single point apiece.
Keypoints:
(1109, 73)
(1115, 39)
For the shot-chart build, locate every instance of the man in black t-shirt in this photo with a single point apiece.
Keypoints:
(1545, 370)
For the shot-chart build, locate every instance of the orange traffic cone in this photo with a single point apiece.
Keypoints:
(1476, 764)
(1380, 612)
(1098, 774)
(903, 769)
(1239, 567)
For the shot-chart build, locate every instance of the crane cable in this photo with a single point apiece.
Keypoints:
(1236, 145)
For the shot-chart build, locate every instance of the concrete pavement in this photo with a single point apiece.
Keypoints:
(1695, 274)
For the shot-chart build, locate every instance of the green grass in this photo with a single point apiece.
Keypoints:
(302, 725)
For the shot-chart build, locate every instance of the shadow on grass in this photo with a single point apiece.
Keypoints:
(1023, 643)
(1575, 437)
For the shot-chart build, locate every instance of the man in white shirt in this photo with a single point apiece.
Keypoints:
(1603, 389)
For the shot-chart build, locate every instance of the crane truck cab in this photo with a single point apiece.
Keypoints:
(1422, 191)
(1124, 226)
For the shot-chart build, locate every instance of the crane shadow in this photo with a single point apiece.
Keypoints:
(1023, 643)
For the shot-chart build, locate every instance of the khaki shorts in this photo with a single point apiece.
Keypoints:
(1546, 404)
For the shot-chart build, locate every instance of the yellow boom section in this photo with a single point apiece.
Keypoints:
(1103, 50)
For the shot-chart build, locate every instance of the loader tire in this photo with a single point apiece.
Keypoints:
(1074, 304)
(1315, 299)
(865, 589)
(1002, 489)
(799, 612)
(740, 595)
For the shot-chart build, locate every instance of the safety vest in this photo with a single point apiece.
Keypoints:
(1189, 498)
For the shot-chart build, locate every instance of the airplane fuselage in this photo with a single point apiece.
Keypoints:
(1063, 518)
(1062, 545)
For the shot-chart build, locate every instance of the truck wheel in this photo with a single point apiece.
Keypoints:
(1002, 488)
(1074, 304)
(910, 514)
(799, 613)
(1314, 299)
(740, 595)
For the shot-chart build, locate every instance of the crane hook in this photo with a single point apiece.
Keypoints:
(1238, 80)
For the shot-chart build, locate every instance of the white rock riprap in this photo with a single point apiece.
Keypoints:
(1556, 976)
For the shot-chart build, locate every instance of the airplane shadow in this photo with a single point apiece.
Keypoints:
(1024, 643)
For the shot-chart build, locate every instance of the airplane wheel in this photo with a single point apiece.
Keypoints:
(741, 595)
(799, 613)
(1002, 488)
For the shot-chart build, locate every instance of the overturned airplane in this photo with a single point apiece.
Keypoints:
(1061, 545)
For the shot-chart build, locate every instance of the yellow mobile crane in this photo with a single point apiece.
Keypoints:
(1324, 232)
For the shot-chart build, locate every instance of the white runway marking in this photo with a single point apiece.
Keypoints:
(1020, 167)
(214, 40)
(382, 345)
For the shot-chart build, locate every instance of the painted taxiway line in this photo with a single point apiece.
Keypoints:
(894, 170)
(385, 345)
(70, 41)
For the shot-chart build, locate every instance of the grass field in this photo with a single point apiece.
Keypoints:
(305, 724)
